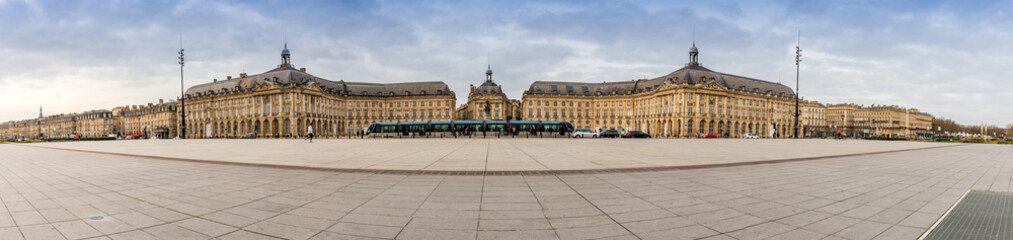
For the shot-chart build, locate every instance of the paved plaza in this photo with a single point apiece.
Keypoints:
(491, 154)
(55, 194)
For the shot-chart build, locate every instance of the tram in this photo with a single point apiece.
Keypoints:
(470, 128)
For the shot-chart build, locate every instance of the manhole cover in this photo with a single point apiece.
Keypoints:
(977, 215)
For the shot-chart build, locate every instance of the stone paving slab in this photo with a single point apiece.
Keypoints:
(492, 155)
(57, 194)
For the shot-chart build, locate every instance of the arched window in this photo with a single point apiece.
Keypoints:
(407, 93)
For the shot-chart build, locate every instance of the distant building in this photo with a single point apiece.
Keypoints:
(488, 102)
(152, 120)
(877, 120)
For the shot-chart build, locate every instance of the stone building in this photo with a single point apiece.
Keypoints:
(21, 129)
(877, 120)
(690, 101)
(487, 102)
(96, 123)
(282, 102)
(813, 119)
(152, 120)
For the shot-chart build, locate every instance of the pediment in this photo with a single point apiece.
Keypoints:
(714, 86)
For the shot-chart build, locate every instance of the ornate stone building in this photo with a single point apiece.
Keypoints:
(813, 119)
(282, 102)
(488, 102)
(877, 120)
(153, 120)
(96, 123)
(690, 101)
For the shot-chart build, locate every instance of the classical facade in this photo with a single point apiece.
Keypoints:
(282, 102)
(487, 102)
(96, 123)
(688, 102)
(153, 120)
(813, 119)
(877, 120)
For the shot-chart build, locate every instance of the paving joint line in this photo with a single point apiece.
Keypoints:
(596, 207)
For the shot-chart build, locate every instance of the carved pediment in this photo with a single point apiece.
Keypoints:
(714, 85)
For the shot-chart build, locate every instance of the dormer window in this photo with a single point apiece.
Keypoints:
(439, 92)
(364, 93)
(379, 94)
(422, 92)
(407, 93)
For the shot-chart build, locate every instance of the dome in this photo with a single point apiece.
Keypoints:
(693, 49)
(285, 52)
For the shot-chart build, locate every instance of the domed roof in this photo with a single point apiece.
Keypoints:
(693, 49)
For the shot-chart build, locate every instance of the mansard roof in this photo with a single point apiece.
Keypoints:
(691, 74)
(288, 75)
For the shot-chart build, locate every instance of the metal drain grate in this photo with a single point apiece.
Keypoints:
(978, 215)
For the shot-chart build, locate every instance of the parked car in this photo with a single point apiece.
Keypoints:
(611, 133)
(584, 133)
(636, 134)
(708, 135)
(750, 136)
(248, 136)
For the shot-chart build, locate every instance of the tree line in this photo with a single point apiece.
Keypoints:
(944, 126)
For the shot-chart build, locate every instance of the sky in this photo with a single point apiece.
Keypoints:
(952, 59)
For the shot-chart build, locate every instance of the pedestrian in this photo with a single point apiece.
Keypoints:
(309, 133)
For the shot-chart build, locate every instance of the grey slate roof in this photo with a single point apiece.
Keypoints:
(690, 74)
(289, 75)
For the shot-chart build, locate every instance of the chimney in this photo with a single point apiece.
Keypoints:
(242, 75)
(302, 69)
(228, 78)
(215, 80)
(160, 101)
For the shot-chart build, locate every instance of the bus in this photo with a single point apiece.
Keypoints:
(467, 128)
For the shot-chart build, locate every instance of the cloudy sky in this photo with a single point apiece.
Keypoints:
(952, 59)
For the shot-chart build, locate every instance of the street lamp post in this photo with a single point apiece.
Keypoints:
(182, 95)
(798, 59)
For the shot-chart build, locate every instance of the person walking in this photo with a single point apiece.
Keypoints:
(309, 133)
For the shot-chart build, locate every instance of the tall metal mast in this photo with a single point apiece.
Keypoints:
(182, 94)
(798, 59)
